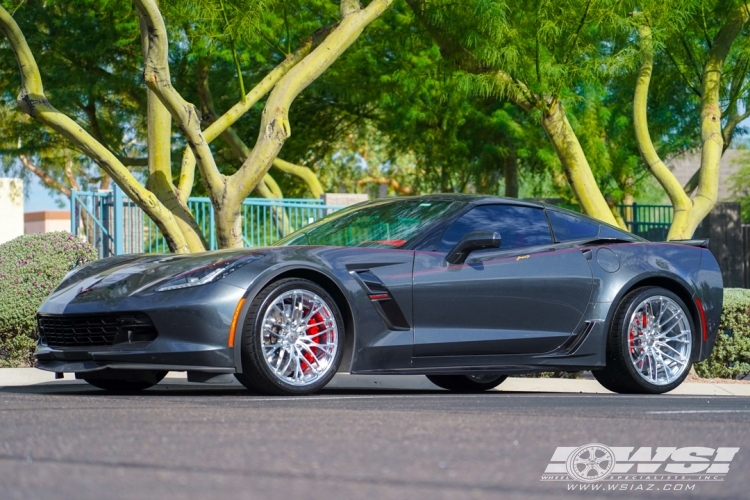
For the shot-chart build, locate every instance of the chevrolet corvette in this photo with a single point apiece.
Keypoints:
(463, 289)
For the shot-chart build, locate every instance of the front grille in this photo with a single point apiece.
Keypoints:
(94, 329)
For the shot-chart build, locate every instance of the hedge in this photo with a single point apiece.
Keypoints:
(731, 354)
(31, 266)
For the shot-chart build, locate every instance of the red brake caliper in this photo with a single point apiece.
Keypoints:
(631, 336)
(314, 325)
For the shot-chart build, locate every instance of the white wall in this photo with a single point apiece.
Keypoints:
(11, 208)
(343, 199)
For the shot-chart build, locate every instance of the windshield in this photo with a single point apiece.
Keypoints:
(380, 225)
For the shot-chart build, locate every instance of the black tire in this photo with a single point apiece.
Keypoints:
(123, 380)
(467, 383)
(256, 374)
(620, 375)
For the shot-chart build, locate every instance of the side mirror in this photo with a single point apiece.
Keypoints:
(478, 240)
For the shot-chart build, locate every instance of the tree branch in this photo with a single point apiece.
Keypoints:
(304, 173)
(683, 75)
(393, 183)
(157, 78)
(274, 127)
(47, 179)
(32, 101)
(711, 133)
(680, 201)
(219, 125)
(69, 174)
(268, 188)
(348, 7)
(159, 141)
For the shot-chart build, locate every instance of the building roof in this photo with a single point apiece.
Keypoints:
(686, 165)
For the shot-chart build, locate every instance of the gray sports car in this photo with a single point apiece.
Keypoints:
(463, 289)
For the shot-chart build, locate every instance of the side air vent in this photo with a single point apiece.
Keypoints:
(578, 339)
(382, 300)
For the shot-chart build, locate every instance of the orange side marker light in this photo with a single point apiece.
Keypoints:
(233, 327)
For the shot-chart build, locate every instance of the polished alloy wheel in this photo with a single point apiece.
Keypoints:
(659, 340)
(299, 337)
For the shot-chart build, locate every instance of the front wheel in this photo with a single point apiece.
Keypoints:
(292, 341)
(123, 380)
(650, 343)
(467, 383)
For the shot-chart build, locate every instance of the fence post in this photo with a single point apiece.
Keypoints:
(119, 226)
(211, 228)
(73, 219)
(635, 218)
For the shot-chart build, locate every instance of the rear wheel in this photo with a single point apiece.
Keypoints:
(123, 380)
(649, 348)
(292, 341)
(467, 383)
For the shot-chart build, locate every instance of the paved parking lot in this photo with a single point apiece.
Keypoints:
(66, 440)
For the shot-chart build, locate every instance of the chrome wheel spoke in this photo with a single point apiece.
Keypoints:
(659, 355)
(664, 344)
(300, 337)
(318, 334)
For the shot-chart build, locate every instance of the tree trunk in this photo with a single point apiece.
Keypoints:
(688, 213)
(681, 203)
(574, 162)
(711, 133)
(160, 173)
(510, 174)
(229, 225)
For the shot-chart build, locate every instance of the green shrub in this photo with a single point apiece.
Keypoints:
(731, 355)
(31, 266)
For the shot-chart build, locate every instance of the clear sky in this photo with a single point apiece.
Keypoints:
(38, 197)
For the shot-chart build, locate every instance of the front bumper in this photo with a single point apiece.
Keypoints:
(192, 333)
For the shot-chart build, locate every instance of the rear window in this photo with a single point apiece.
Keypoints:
(568, 227)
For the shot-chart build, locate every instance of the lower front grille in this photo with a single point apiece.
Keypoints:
(94, 329)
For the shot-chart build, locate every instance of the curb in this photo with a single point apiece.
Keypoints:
(15, 377)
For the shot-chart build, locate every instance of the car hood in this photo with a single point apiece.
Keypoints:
(127, 275)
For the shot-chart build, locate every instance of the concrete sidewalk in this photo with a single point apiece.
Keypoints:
(31, 376)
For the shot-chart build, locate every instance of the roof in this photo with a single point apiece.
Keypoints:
(466, 198)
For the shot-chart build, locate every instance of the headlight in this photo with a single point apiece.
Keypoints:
(206, 274)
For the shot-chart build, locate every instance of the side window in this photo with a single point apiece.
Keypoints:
(517, 226)
(569, 227)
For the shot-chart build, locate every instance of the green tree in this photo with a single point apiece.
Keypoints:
(161, 199)
(532, 54)
(704, 42)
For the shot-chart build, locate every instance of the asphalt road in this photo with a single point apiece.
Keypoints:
(69, 441)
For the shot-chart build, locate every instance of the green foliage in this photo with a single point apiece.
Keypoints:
(89, 56)
(731, 355)
(394, 106)
(31, 266)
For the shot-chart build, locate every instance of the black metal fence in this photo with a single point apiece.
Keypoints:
(648, 221)
(729, 240)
